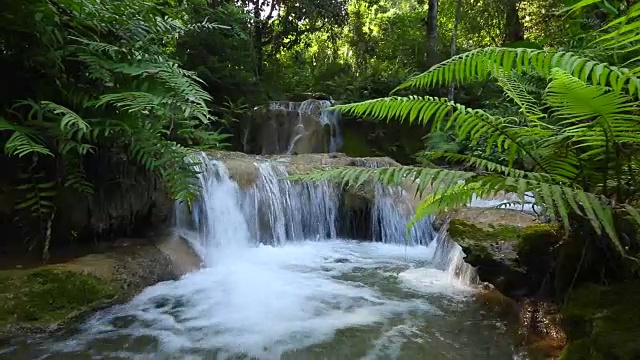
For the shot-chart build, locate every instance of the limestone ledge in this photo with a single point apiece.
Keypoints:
(242, 168)
(50, 297)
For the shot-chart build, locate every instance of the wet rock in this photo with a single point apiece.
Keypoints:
(603, 322)
(356, 201)
(288, 127)
(242, 169)
(541, 328)
(509, 248)
(494, 300)
(49, 297)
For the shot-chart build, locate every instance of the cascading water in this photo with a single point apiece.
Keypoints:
(275, 212)
(317, 108)
(272, 212)
(278, 283)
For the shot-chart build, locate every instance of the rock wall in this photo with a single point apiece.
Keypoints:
(285, 127)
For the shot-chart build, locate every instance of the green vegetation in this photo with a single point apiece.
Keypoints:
(570, 138)
(100, 110)
(103, 103)
(48, 296)
(603, 322)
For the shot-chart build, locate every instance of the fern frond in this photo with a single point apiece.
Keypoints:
(424, 178)
(22, 143)
(519, 93)
(484, 63)
(72, 125)
(493, 167)
(74, 175)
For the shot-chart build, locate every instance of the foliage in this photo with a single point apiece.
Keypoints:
(576, 145)
(98, 80)
(223, 57)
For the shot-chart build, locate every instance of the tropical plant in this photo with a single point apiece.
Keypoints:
(106, 89)
(575, 146)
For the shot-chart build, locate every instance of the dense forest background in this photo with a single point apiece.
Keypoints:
(102, 100)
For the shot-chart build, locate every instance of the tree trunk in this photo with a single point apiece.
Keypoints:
(454, 39)
(513, 27)
(257, 36)
(431, 22)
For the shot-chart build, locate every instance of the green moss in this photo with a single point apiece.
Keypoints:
(537, 237)
(477, 241)
(460, 229)
(579, 350)
(43, 296)
(603, 322)
(537, 246)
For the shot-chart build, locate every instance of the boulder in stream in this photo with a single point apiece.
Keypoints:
(510, 249)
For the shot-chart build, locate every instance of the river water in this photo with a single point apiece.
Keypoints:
(267, 293)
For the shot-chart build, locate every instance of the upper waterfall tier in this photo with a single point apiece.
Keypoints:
(288, 127)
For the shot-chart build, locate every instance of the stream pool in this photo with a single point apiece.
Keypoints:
(334, 299)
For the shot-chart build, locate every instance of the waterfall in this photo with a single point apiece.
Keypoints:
(317, 109)
(217, 219)
(282, 211)
(275, 212)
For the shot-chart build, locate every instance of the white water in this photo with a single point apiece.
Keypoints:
(278, 212)
(278, 284)
(265, 301)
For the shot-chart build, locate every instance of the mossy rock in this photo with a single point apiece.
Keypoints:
(48, 296)
(355, 143)
(537, 248)
(509, 248)
(535, 239)
(491, 250)
(481, 242)
(603, 322)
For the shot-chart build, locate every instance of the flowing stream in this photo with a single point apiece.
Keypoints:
(278, 282)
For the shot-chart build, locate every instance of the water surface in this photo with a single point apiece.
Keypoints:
(333, 299)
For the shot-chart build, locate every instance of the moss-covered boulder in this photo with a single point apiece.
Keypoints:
(48, 297)
(537, 250)
(510, 249)
(603, 323)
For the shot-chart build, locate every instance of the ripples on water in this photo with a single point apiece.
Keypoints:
(307, 300)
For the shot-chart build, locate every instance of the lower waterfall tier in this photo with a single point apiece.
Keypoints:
(275, 211)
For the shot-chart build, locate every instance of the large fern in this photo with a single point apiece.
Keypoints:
(580, 136)
(110, 89)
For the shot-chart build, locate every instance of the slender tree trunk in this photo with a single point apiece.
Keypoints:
(431, 22)
(257, 36)
(513, 27)
(454, 39)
